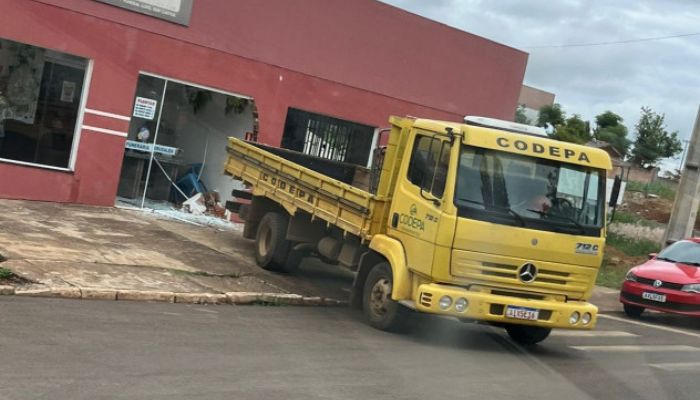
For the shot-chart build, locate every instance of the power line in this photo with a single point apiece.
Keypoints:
(647, 39)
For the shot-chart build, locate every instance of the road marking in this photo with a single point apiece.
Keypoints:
(663, 328)
(671, 367)
(637, 348)
(566, 333)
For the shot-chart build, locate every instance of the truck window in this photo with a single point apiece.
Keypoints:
(542, 194)
(429, 163)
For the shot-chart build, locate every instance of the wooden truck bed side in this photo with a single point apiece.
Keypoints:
(296, 187)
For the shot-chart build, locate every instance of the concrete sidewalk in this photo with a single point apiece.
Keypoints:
(94, 249)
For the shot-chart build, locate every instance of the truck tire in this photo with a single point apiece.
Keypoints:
(293, 259)
(527, 335)
(633, 311)
(380, 310)
(271, 244)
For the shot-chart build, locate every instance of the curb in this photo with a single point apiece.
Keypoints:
(235, 298)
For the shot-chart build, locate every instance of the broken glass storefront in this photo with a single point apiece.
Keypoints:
(176, 141)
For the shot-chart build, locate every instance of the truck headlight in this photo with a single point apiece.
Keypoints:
(573, 319)
(586, 318)
(631, 276)
(445, 302)
(693, 288)
(461, 304)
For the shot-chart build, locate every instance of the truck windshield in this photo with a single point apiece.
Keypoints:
(511, 189)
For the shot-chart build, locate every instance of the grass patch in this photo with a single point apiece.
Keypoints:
(626, 217)
(611, 275)
(660, 189)
(632, 247)
(6, 273)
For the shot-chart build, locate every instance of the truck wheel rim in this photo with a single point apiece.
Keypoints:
(264, 242)
(379, 296)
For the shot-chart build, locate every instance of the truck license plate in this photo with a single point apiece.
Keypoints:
(661, 298)
(529, 314)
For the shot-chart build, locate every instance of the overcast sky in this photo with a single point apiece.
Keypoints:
(662, 74)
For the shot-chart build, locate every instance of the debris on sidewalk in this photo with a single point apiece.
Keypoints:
(200, 209)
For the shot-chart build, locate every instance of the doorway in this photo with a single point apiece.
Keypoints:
(176, 144)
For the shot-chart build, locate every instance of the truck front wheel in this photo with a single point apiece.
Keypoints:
(527, 335)
(380, 310)
(271, 244)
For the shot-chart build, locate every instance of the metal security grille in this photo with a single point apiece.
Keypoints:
(327, 137)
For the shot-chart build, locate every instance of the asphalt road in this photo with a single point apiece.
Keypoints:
(64, 349)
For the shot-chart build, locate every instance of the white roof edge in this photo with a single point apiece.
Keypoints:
(505, 125)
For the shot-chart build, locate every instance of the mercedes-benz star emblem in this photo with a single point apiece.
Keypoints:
(658, 283)
(527, 273)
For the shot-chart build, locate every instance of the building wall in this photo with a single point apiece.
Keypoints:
(380, 82)
(637, 174)
(533, 99)
(364, 44)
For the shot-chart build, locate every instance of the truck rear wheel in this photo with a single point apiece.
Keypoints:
(527, 335)
(271, 244)
(380, 310)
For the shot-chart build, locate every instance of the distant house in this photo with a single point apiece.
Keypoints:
(629, 171)
(532, 99)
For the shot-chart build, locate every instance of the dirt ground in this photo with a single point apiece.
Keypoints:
(653, 209)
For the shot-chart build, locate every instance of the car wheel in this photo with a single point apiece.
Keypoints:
(633, 311)
(527, 335)
(380, 310)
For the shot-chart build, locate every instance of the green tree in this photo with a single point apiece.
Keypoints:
(520, 116)
(551, 114)
(574, 130)
(653, 141)
(609, 128)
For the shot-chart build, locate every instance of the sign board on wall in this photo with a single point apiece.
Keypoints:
(145, 108)
(177, 11)
(150, 147)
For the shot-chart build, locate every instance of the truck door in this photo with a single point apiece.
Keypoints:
(416, 210)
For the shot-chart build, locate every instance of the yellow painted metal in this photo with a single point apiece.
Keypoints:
(486, 306)
(298, 188)
(395, 253)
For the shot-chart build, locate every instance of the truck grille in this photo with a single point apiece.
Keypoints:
(501, 271)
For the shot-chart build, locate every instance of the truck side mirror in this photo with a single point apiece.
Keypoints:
(615, 193)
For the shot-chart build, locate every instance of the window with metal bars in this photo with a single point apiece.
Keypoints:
(327, 137)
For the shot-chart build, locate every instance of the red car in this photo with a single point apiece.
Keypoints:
(668, 282)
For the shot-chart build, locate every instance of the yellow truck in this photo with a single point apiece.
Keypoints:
(484, 220)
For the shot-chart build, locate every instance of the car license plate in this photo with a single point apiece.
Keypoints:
(661, 298)
(529, 314)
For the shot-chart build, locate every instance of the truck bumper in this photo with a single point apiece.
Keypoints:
(483, 306)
